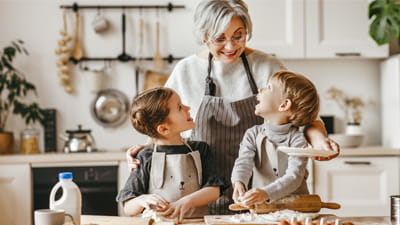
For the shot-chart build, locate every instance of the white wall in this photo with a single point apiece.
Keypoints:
(38, 23)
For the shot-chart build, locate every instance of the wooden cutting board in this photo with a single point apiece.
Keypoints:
(113, 220)
(226, 220)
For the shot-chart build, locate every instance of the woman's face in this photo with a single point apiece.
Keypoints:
(228, 46)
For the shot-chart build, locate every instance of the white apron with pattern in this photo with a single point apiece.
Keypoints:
(173, 176)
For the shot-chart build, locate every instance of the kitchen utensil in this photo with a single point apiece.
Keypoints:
(301, 203)
(78, 141)
(77, 52)
(99, 23)
(123, 57)
(140, 53)
(110, 108)
(306, 152)
(154, 79)
(158, 60)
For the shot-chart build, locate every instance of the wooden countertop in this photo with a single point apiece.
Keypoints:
(116, 156)
(116, 220)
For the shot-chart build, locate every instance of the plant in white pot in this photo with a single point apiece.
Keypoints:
(351, 107)
(15, 91)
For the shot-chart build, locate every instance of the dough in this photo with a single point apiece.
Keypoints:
(273, 216)
(148, 213)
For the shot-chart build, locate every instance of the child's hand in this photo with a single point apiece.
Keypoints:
(238, 191)
(254, 196)
(152, 201)
(178, 209)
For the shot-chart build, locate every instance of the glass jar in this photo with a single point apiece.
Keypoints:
(30, 141)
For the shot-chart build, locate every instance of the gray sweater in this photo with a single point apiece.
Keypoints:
(292, 175)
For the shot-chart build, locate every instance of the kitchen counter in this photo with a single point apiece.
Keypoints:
(109, 156)
(115, 220)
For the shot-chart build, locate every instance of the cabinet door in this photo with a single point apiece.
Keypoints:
(278, 27)
(15, 195)
(339, 28)
(362, 185)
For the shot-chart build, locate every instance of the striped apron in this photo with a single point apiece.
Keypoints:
(222, 125)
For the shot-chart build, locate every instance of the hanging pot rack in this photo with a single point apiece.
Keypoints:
(75, 7)
(168, 6)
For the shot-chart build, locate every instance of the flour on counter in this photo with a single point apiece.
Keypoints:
(157, 217)
(273, 217)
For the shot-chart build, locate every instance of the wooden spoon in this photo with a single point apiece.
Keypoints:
(158, 60)
(77, 52)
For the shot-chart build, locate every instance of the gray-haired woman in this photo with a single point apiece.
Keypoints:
(220, 84)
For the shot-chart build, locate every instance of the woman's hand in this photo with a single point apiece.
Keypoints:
(133, 163)
(149, 201)
(238, 191)
(254, 196)
(329, 145)
(177, 209)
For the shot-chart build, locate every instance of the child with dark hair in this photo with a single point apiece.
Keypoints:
(174, 177)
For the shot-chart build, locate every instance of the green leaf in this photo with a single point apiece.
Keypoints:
(386, 24)
(10, 53)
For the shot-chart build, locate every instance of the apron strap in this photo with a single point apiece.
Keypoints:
(210, 85)
(197, 162)
(273, 157)
(250, 77)
(263, 146)
(260, 144)
(158, 167)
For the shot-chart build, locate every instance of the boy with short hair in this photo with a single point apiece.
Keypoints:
(289, 102)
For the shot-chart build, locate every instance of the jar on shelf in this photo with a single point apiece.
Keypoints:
(30, 141)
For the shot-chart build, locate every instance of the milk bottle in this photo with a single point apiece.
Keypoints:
(70, 201)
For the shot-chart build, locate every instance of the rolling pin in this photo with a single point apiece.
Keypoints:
(301, 203)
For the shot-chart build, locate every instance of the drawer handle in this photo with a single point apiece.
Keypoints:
(357, 162)
(348, 54)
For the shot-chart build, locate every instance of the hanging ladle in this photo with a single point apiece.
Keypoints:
(123, 56)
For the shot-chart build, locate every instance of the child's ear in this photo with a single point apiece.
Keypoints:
(162, 129)
(285, 105)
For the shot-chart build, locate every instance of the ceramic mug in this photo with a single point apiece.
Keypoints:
(50, 217)
(99, 23)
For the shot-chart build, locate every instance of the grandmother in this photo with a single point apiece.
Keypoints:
(220, 84)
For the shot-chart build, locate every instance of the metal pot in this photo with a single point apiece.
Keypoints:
(110, 108)
(78, 141)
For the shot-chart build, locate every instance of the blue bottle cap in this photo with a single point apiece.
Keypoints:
(65, 175)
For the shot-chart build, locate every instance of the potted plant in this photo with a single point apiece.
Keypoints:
(385, 26)
(14, 92)
(351, 107)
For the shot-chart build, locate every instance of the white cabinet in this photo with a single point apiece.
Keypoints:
(339, 28)
(278, 27)
(313, 29)
(361, 185)
(15, 194)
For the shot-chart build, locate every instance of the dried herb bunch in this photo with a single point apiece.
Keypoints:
(351, 106)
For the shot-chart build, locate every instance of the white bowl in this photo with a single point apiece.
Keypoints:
(347, 140)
